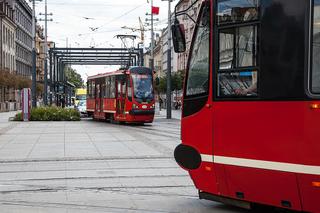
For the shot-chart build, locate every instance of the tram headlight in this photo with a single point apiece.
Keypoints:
(135, 106)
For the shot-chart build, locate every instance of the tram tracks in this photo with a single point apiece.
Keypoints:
(91, 207)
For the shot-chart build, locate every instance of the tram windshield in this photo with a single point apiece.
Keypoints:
(143, 88)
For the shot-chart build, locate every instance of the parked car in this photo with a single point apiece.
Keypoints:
(82, 107)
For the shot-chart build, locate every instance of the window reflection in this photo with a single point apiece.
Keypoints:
(230, 11)
(237, 47)
(316, 48)
(246, 44)
(226, 49)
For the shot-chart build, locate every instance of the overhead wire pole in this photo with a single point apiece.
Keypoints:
(34, 70)
(169, 112)
(152, 39)
(151, 65)
(45, 98)
(46, 56)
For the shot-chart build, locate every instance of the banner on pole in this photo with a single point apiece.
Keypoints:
(155, 10)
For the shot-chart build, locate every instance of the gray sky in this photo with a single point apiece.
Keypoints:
(107, 16)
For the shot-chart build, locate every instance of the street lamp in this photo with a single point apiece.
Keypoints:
(169, 113)
(45, 98)
(34, 55)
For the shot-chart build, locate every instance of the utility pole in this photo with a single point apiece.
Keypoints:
(34, 69)
(152, 36)
(45, 98)
(34, 56)
(152, 39)
(169, 112)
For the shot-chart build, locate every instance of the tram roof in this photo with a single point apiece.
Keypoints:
(114, 73)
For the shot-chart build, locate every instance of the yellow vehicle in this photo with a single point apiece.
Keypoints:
(81, 94)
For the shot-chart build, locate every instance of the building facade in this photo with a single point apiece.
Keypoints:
(158, 68)
(189, 26)
(7, 36)
(7, 48)
(40, 49)
(174, 56)
(23, 19)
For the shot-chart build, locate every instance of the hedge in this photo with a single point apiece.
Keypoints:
(51, 114)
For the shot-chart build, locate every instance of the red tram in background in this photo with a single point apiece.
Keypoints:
(250, 123)
(122, 96)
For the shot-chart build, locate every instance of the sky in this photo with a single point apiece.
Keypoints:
(83, 23)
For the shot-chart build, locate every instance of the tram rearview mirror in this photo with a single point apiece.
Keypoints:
(178, 37)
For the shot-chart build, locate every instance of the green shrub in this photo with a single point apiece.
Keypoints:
(18, 117)
(51, 114)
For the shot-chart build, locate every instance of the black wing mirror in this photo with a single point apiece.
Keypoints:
(178, 37)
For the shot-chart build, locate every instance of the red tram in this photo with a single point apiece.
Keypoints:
(122, 96)
(251, 105)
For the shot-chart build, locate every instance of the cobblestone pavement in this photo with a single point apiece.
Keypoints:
(92, 166)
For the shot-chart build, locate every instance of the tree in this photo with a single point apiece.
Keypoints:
(177, 79)
(73, 77)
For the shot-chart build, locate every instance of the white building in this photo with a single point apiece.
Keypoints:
(189, 26)
(8, 47)
(174, 56)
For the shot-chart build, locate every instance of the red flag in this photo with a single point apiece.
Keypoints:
(155, 10)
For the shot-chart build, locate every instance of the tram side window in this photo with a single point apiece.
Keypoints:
(315, 82)
(103, 90)
(113, 87)
(233, 11)
(129, 88)
(93, 89)
(123, 91)
(108, 83)
(238, 49)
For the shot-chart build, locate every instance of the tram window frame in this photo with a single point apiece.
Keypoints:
(312, 73)
(244, 91)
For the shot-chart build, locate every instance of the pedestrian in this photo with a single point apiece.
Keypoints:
(176, 105)
(160, 103)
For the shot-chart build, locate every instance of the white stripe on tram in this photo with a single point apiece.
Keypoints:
(207, 158)
(260, 164)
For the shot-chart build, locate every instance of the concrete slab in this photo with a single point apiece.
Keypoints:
(93, 166)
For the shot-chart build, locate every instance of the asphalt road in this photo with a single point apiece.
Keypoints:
(91, 166)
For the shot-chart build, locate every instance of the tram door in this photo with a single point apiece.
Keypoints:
(121, 96)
